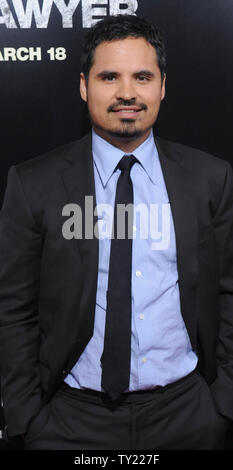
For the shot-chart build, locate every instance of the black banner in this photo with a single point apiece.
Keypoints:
(115, 459)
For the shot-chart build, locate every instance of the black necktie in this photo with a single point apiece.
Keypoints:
(117, 342)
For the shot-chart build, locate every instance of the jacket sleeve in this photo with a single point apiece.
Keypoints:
(222, 387)
(20, 249)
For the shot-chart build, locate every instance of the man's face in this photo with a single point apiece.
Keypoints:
(124, 90)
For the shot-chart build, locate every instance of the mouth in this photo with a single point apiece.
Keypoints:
(128, 112)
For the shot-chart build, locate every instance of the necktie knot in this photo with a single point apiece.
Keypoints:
(126, 163)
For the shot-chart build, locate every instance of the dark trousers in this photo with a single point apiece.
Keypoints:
(182, 415)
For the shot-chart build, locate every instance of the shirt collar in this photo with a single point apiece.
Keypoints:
(107, 156)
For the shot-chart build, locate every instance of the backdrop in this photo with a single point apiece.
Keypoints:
(39, 73)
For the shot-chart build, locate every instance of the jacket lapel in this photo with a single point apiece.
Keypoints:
(80, 187)
(182, 198)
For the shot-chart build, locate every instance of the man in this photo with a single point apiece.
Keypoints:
(121, 342)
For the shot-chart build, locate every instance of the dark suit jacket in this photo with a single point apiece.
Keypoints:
(48, 283)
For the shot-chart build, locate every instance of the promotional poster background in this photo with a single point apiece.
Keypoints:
(40, 106)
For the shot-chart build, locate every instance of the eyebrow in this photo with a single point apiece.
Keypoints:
(104, 73)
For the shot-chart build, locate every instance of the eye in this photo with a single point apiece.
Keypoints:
(109, 78)
(142, 78)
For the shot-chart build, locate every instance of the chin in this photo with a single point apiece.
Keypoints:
(127, 130)
(125, 134)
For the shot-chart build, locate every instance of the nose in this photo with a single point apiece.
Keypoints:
(125, 90)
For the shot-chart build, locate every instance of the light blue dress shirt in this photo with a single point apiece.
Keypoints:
(161, 351)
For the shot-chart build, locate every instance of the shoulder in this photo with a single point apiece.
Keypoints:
(190, 157)
(52, 162)
(203, 166)
(39, 179)
(210, 175)
(41, 174)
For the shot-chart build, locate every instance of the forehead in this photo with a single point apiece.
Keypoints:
(128, 53)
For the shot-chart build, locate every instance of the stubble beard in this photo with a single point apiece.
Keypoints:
(125, 131)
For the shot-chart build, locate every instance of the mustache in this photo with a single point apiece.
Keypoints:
(126, 103)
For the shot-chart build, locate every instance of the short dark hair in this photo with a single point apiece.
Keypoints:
(121, 27)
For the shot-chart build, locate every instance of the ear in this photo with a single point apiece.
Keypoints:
(83, 87)
(163, 90)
